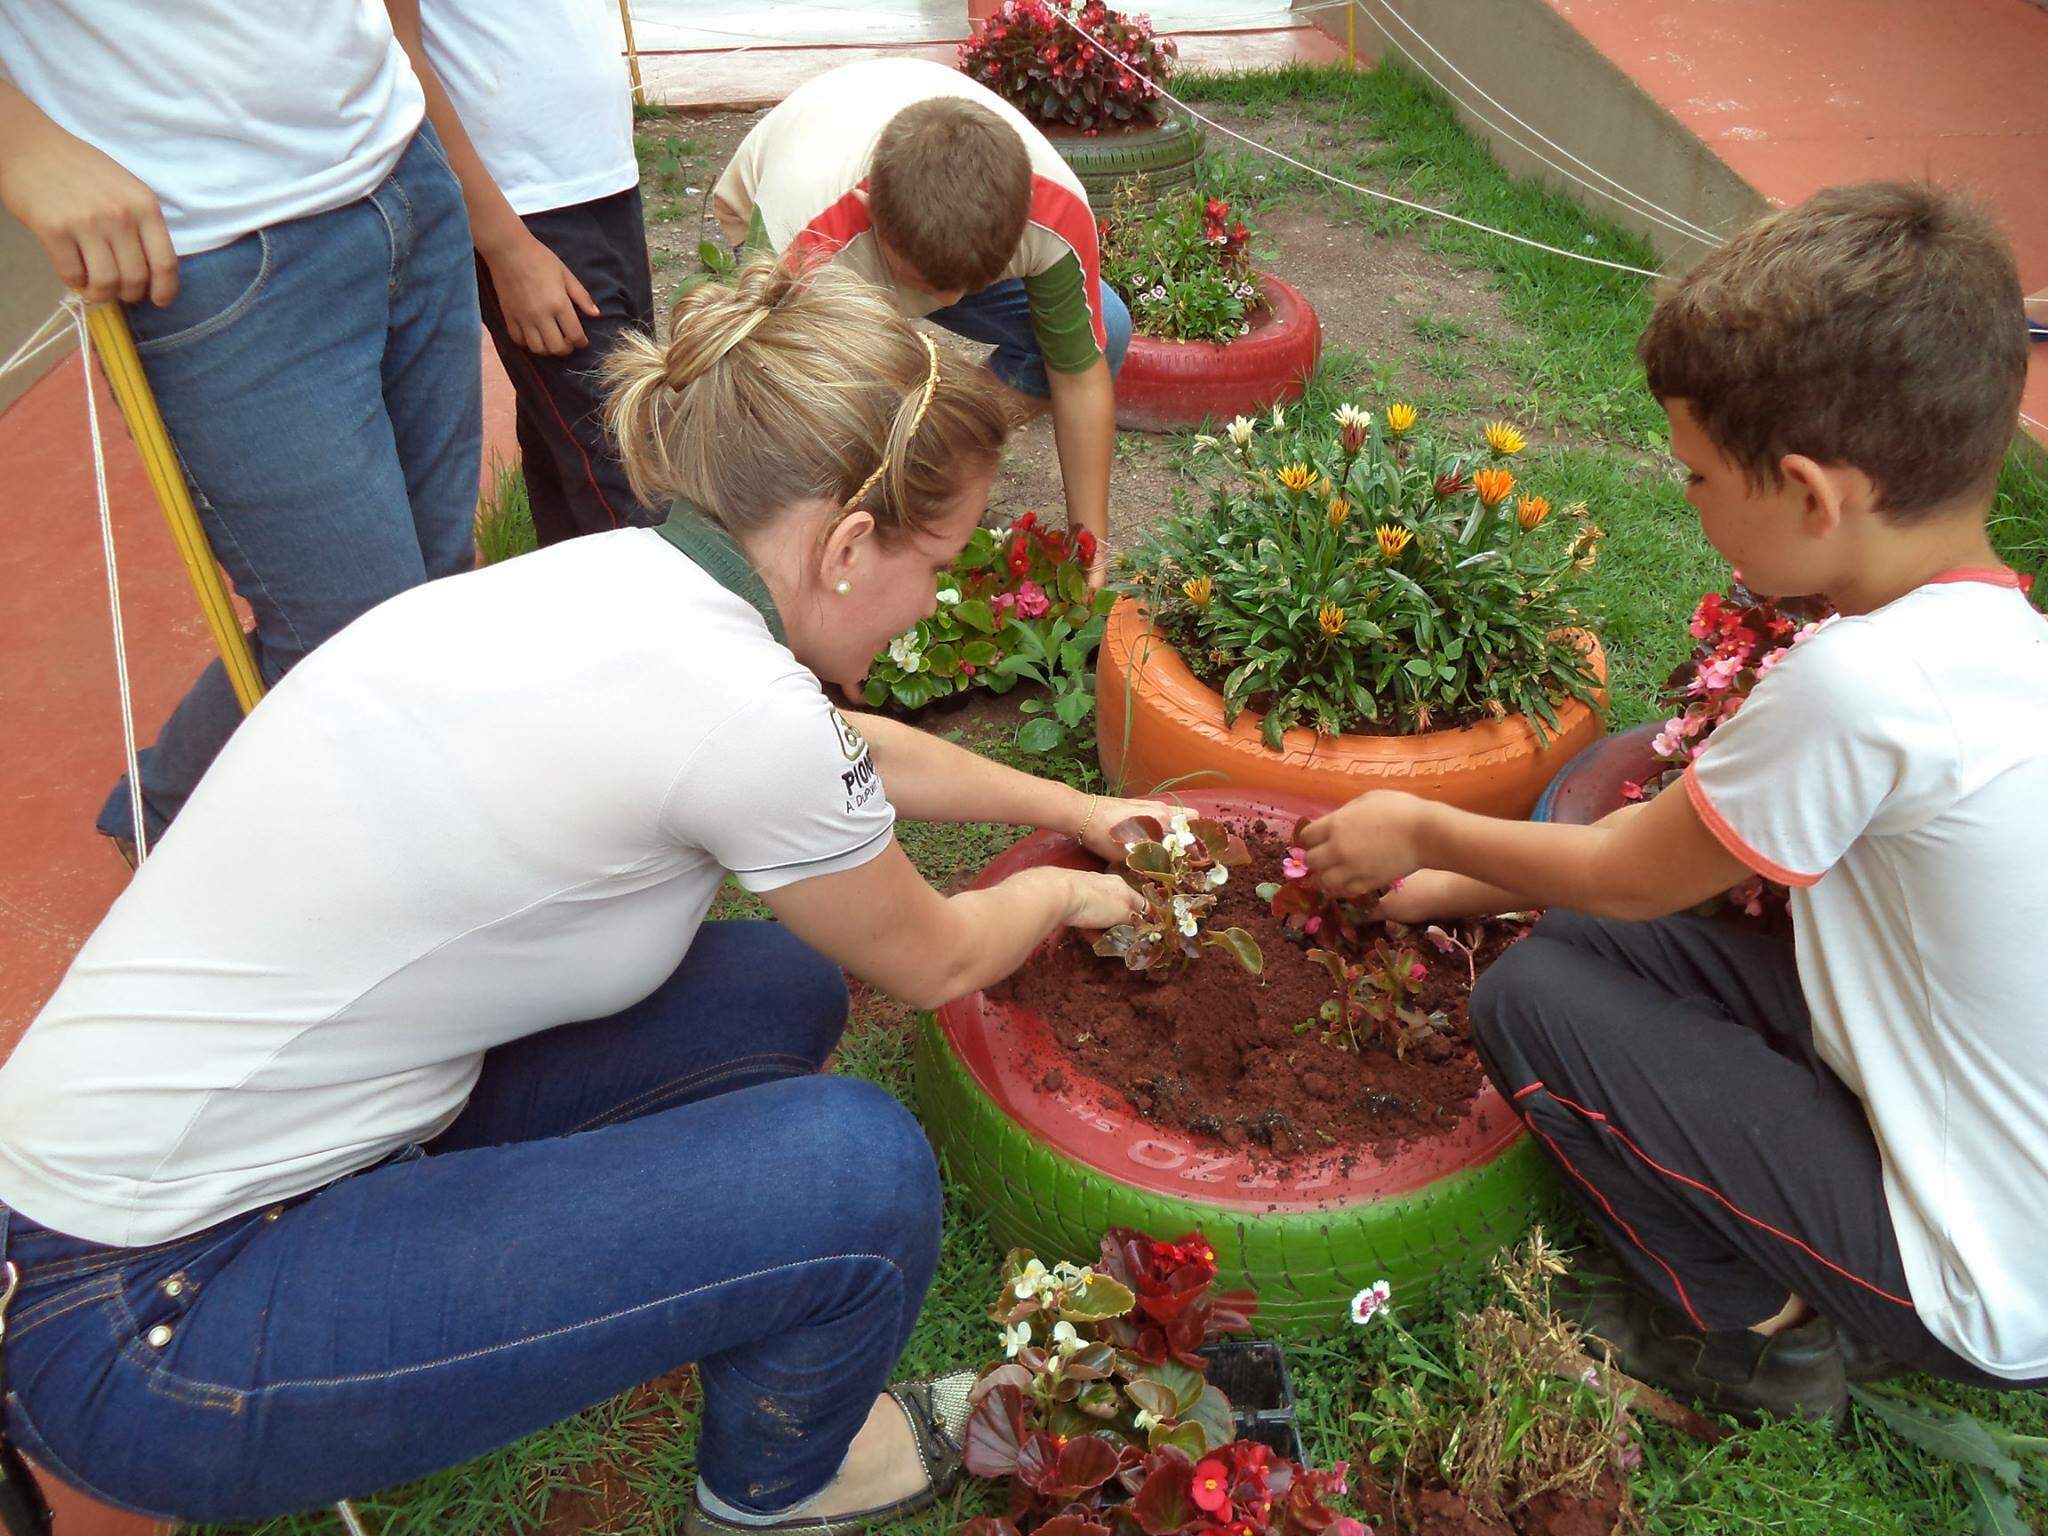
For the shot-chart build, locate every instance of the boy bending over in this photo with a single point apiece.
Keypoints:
(942, 193)
(1826, 1160)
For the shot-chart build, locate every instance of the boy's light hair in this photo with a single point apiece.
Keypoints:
(949, 190)
(1877, 326)
(789, 386)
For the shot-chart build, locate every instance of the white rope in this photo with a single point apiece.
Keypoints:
(1372, 192)
(99, 473)
(55, 328)
(1634, 202)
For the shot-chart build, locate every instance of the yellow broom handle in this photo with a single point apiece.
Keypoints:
(110, 334)
(632, 54)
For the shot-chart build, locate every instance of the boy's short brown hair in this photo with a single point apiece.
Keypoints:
(949, 190)
(1877, 326)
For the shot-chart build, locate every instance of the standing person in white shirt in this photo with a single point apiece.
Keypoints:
(405, 1103)
(256, 184)
(533, 103)
(1830, 1163)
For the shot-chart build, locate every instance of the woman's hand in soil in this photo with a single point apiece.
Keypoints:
(1367, 844)
(1096, 901)
(1103, 817)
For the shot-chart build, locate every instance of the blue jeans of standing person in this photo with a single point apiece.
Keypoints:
(1001, 314)
(675, 1183)
(322, 382)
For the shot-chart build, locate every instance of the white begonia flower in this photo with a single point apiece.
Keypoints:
(1180, 837)
(903, 650)
(1219, 876)
(1030, 1280)
(1066, 1338)
(1016, 1338)
(1240, 431)
(949, 594)
(1144, 1422)
(1184, 918)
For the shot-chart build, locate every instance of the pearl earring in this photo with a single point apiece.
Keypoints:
(843, 588)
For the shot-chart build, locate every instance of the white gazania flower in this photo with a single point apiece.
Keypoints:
(903, 650)
(1066, 1338)
(1349, 415)
(1240, 431)
(1219, 876)
(1279, 417)
(1030, 1280)
(1370, 1301)
(1204, 440)
(949, 594)
(1016, 1337)
(1184, 918)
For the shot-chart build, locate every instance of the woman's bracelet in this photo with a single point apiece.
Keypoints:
(1081, 832)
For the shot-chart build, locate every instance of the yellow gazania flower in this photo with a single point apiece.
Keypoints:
(1198, 589)
(1400, 419)
(1295, 477)
(1530, 512)
(1504, 440)
(1330, 619)
(1492, 485)
(1339, 510)
(1392, 540)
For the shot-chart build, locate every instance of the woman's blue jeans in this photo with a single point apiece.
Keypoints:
(675, 1183)
(322, 380)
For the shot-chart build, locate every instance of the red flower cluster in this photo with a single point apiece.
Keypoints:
(1176, 1311)
(1229, 239)
(1028, 54)
(1241, 1490)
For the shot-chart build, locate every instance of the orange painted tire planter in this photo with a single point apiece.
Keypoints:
(1164, 385)
(1173, 729)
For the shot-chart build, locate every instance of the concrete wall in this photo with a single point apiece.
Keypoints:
(29, 290)
(1537, 66)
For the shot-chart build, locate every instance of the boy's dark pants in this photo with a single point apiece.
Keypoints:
(1667, 1068)
(573, 482)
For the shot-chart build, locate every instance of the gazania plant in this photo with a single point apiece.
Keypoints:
(1101, 1417)
(1031, 54)
(1351, 573)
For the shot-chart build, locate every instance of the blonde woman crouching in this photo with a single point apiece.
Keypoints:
(406, 1104)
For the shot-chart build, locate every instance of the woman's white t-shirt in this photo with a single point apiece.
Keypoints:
(1893, 770)
(542, 91)
(494, 804)
(237, 115)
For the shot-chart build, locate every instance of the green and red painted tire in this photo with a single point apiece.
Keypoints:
(1164, 153)
(1052, 1168)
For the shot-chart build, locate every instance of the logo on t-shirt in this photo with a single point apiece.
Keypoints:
(860, 780)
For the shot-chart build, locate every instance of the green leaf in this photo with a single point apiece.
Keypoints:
(1947, 1432)
(1101, 1297)
(715, 257)
(975, 614)
(980, 653)
(1992, 1505)
(1272, 729)
(1154, 1398)
(1212, 1413)
(1040, 735)
(1190, 1438)
(1183, 1381)
(916, 691)
(1072, 708)
(875, 691)
(1152, 859)
(1242, 947)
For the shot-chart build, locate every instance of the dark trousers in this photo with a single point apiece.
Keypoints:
(1668, 1069)
(573, 481)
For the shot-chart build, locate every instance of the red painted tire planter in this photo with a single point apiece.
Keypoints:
(1052, 1169)
(1157, 723)
(1165, 385)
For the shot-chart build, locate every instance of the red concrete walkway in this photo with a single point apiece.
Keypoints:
(1795, 97)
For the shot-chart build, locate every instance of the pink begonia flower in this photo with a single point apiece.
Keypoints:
(1730, 709)
(1693, 723)
(1032, 602)
(1312, 925)
(1295, 865)
(1370, 1301)
(1416, 972)
(1664, 744)
(1720, 672)
(1807, 632)
(1771, 659)
(1631, 790)
(1003, 600)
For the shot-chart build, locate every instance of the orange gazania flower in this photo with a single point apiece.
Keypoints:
(1198, 590)
(1530, 512)
(1492, 485)
(1339, 510)
(1295, 477)
(1330, 619)
(1392, 540)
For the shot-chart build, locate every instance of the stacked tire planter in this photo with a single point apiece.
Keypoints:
(1164, 153)
(1165, 385)
(1054, 1167)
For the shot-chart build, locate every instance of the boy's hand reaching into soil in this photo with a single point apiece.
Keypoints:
(1367, 844)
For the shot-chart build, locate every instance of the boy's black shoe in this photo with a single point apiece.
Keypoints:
(1864, 1362)
(1795, 1374)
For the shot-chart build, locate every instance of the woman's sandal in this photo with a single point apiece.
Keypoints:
(936, 1408)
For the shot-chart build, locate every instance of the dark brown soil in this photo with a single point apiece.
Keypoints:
(1437, 1511)
(1216, 1052)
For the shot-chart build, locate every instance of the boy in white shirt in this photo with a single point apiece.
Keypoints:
(1827, 1163)
(534, 107)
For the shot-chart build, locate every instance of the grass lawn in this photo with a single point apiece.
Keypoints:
(1555, 353)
